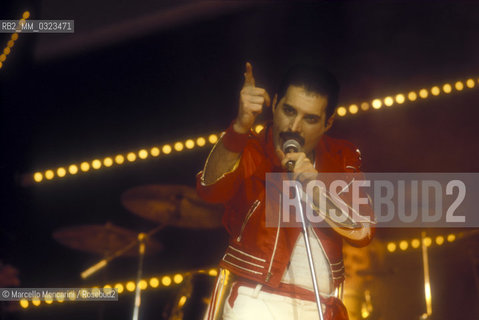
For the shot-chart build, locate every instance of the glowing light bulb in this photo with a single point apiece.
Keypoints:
(435, 91)
(71, 295)
(60, 296)
(353, 109)
(15, 36)
(37, 176)
(83, 293)
(143, 284)
(189, 144)
(178, 146)
(96, 292)
(200, 141)
(142, 154)
(439, 240)
(470, 83)
(166, 281)
(119, 159)
(213, 272)
(341, 111)
(48, 298)
(155, 152)
(427, 241)
(154, 282)
(391, 247)
(415, 243)
(365, 106)
(84, 166)
(131, 156)
(400, 98)
(26, 15)
(423, 93)
(130, 286)
(459, 86)
(412, 96)
(403, 245)
(96, 164)
(107, 289)
(377, 104)
(36, 301)
(73, 169)
(213, 138)
(108, 162)
(61, 172)
(119, 287)
(24, 303)
(166, 149)
(49, 174)
(447, 88)
(388, 101)
(178, 278)
(451, 237)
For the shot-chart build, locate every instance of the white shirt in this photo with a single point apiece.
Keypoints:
(298, 272)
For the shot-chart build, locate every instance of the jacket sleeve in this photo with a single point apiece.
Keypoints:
(222, 190)
(352, 165)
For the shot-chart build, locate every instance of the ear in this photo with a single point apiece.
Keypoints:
(330, 121)
(275, 101)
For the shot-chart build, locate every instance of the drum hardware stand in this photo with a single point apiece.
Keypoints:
(141, 255)
(185, 292)
(141, 241)
(427, 282)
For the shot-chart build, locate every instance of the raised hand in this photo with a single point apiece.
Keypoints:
(251, 102)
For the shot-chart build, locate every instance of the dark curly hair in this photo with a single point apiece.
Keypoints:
(313, 79)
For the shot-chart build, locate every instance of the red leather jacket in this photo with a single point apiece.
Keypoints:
(261, 253)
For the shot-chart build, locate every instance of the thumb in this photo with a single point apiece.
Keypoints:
(267, 99)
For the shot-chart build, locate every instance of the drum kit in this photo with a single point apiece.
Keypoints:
(165, 205)
(168, 206)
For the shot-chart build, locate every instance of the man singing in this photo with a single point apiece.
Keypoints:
(265, 273)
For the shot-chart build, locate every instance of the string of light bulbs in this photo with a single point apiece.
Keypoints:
(202, 141)
(155, 282)
(14, 37)
(415, 243)
(411, 96)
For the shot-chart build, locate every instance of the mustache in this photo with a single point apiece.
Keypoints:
(288, 135)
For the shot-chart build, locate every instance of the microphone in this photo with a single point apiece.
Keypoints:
(291, 145)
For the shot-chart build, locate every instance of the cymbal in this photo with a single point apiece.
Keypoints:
(102, 239)
(173, 205)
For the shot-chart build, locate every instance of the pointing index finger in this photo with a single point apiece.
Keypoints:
(248, 75)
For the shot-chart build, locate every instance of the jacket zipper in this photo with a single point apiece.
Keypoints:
(269, 274)
(248, 216)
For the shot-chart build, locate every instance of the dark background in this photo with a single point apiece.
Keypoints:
(142, 73)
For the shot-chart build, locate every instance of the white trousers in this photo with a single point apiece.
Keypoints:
(254, 304)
